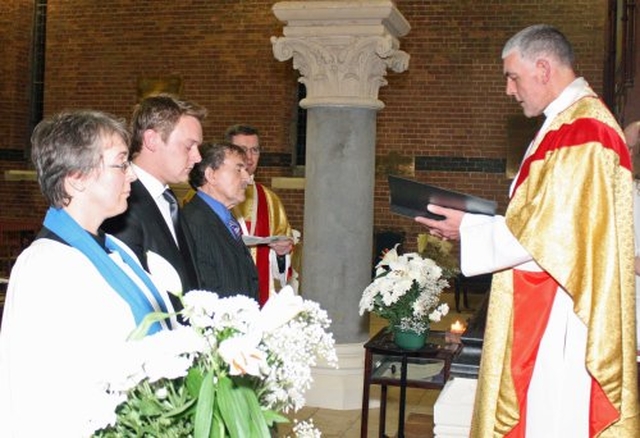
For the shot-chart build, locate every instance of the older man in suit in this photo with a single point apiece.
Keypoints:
(223, 262)
(166, 133)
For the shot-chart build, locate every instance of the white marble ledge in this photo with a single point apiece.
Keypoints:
(454, 406)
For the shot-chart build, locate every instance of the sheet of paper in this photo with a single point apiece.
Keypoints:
(256, 240)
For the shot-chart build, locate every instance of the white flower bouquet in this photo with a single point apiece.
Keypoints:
(406, 292)
(231, 373)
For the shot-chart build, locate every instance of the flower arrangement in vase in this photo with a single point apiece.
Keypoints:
(406, 292)
(231, 372)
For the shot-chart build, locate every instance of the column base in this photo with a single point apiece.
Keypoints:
(454, 408)
(339, 388)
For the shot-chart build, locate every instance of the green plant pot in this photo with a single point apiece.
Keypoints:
(409, 340)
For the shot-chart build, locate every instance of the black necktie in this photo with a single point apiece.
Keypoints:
(173, 207)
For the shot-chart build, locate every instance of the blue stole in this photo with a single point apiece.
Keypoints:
(65, 227)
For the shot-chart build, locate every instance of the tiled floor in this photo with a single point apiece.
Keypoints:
(346, 423)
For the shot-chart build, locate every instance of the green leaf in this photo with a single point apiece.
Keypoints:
(181, 409)
(204, 408)
(143, 328)
(234, 409)
(218, 429)
(149, 407)
(272, 417)
(257, 421)
(194, 381)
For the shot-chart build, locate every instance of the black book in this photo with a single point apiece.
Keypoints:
(410, 198)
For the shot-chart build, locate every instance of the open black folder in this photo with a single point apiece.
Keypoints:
(410, 198)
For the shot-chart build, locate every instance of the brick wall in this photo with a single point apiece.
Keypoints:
(15, 34)
(448, 111)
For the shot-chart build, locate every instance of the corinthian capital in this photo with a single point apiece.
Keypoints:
(342, 49)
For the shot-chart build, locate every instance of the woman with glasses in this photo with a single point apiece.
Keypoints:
(75, 294)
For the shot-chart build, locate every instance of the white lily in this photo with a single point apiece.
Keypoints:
(279, 309)
(390, 256)
(164, 275)
(242, 355)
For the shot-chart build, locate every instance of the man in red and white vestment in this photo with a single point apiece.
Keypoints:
(262, 214)
(559, 353)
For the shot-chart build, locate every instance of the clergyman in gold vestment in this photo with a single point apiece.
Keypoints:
(558, 359)
(262, 214)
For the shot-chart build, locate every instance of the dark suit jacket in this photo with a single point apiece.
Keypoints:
(143, 229)
(224, 265)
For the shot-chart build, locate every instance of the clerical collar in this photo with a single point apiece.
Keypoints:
(576, 90)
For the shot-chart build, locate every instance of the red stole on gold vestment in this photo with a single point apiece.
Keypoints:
(571, 210)
(263, 215)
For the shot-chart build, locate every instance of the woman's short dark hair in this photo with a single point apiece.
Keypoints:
(213, 155)
(70, 143)
(161, 113)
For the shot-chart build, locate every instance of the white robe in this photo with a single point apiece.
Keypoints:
(63, 330)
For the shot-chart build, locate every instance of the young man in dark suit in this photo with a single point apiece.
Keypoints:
(223, 262)
(166, 133)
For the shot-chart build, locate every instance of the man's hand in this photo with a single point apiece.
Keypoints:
(448, 228)
(282, 247)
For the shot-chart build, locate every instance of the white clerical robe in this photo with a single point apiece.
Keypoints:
(63, 331)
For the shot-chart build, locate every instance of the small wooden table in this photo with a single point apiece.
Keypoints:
(386, 364)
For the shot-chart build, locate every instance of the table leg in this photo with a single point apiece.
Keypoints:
(382, 424)
(364, 416)
(403, 397)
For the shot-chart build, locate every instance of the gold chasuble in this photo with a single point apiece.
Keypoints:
(571, 209)
(263, 214)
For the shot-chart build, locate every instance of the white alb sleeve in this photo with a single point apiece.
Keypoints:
(487, 245)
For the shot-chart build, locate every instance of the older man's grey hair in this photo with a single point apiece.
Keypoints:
(540, 40)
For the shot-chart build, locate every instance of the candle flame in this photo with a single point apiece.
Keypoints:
(457, 327)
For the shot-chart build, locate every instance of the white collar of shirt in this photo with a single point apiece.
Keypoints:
(156, 189)
(575, 91)
(150, 182)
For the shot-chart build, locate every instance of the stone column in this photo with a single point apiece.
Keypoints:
(342, 50)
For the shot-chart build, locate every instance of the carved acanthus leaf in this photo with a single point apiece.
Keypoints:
(343, 67)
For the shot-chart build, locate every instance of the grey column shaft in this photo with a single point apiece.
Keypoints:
(343, 51)
(338, 217)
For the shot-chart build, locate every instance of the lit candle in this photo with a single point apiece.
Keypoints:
(457, 327)
(453, 335)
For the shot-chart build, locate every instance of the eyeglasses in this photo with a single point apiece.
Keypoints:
(253, 150)
(123, 167)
